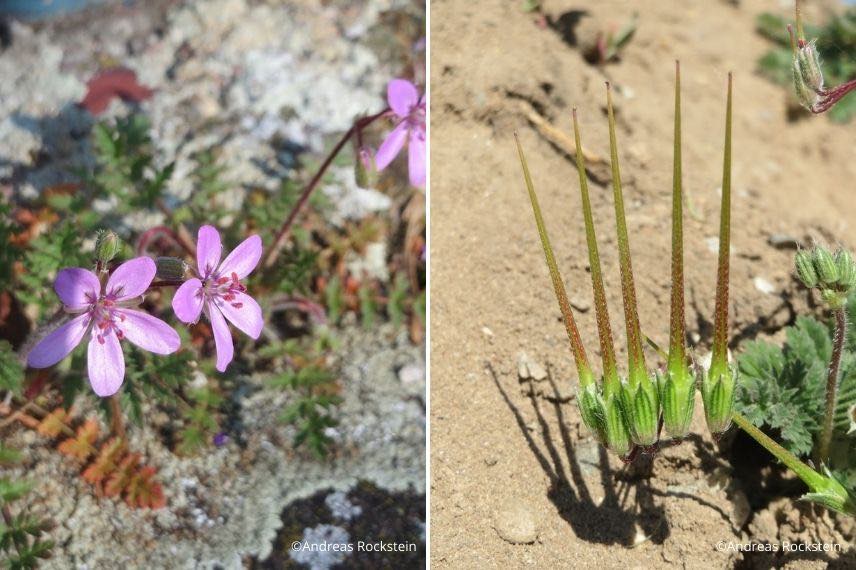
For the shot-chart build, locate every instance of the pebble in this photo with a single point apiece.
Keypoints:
(529, 369)
(782, 241)
(515, 523)
(764, 286)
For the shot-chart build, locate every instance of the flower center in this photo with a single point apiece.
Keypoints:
(105, 319)
(225, 288)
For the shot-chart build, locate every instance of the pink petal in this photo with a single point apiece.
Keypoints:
(77, 287)
(243, 258)
(187, 301)
(106, 364)
(391, 146)
(222, 337)
(247, 316)
(131, 279)
(147, 332)
(58, 344)
(208, 250)
(402, 96)
(416, 158)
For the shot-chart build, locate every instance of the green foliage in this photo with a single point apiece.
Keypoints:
(11, 372)
(311, 412)
(200, 422)
(9, 253)
(207, 184)
(782, 388)
(837, 45)
(61, 247)
(21, 534)
(126, 163)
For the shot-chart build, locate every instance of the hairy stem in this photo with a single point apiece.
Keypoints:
(607, 349)
(832, 384)
(719, 359)
(677, 325)
(117, 424)
(635, 355)
(185, 240)
(583, 368)
(809, 476)
(283, 232)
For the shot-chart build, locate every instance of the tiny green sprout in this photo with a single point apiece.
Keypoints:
(718, 382)
(107, 246)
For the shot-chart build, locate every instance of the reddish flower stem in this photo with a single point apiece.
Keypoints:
(283, 232)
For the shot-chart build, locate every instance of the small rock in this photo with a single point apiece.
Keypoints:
(487, 332)
(580, 304)
(782, 241)
(529, 369)
(515, 523)
(764, 286)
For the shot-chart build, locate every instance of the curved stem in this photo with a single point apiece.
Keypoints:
(832, 384)
(809, 476)
(281, 234)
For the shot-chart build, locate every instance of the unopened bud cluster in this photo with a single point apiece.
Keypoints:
(808, 74)
(833, 274)
(107, 246)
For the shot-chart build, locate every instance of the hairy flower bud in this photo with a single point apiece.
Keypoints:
(824, 265)
(617, 437)
(641, 406)
(592, 412)
(107, 246)
(717, 393)
(846, 270)
(677, 399)
(807, 64)
(805, 268)
(170, 268)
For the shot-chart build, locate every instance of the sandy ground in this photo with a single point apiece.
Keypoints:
(510, 467)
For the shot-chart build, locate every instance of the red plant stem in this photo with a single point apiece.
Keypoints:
(117, 425)
(283, 232)
(832, 96)
(832, 384)
(183, 238)
(149, 235)
(719, 359)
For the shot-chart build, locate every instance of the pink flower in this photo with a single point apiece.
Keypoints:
(105, 313)
(409, 108)
(219, 292)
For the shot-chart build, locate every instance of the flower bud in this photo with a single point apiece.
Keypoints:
(805, 268)
(107, 246)
(717, 393)
(617, 437)
(170, 268)
(824, 265)
(592, 412)
(677, 399)
(807, 64)
(846, 270)
(641, 406)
